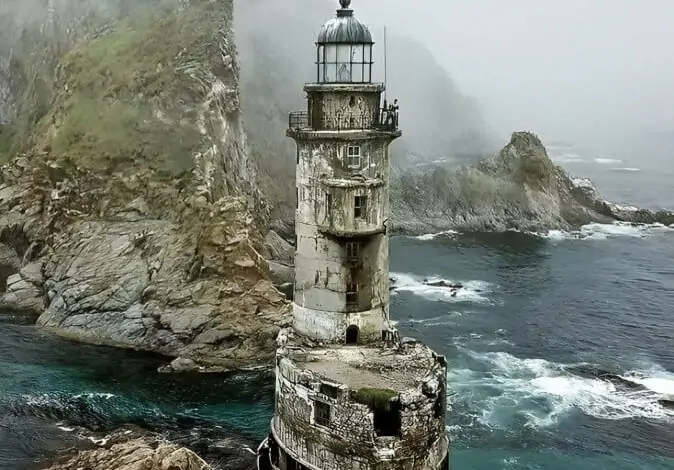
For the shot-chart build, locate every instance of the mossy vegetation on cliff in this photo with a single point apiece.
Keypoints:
(131, 94)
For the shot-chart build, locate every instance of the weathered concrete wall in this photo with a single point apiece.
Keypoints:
(331, 326)
(324, 270)
(349, 441)
(344, 107)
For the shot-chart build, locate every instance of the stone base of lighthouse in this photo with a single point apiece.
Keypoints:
(375, 407)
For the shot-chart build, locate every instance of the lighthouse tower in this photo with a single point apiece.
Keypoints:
(350, 394)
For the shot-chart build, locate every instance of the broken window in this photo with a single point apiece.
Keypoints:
(328, 203)
(352, 295)
(321, 413)
(359, 206)
(329, 390)
(353, 157)
(387, 419)
(353, 250)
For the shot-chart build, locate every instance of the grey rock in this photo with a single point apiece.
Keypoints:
(136, 454)
(22, 296)
(520, 189)
(279, 249)
(281, 273)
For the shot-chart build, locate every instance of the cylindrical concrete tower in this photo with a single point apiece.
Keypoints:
(341, 281)
(350, 394)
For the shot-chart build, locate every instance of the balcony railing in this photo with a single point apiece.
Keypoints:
(298, 120)
(388, 120)
(385, 120)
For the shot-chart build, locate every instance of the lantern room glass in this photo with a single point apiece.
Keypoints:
(344, 63)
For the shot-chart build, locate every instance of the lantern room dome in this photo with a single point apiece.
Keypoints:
(344, 29)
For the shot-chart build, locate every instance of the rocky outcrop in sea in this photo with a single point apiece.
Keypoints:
(519, 189)
(133, 448)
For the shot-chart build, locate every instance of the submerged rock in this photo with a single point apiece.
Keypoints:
(136, 455)
(194, 445)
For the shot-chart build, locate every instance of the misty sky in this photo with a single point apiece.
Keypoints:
(579, 69)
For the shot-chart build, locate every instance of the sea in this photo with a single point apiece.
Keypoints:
(560, 348)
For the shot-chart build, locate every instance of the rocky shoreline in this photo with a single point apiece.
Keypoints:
(135, 448)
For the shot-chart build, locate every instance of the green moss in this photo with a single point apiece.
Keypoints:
(130, 95)
(375, 398)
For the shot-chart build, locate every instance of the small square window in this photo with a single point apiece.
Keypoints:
(352, 295)
(322, 413)
(360, 206)
(353, 159)
(353, 250)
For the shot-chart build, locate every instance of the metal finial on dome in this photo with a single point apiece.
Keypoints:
(345, 3)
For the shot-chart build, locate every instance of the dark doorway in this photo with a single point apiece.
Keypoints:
(352, 334)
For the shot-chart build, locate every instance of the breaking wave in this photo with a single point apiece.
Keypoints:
(604, 231)
(433, 236)
(510, 391)
(470, 291)
(607, 161)
(567, 158)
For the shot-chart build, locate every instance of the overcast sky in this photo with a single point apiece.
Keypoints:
(566, 69)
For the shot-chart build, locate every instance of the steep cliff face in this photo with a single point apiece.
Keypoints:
(133, 206)
(520, 188)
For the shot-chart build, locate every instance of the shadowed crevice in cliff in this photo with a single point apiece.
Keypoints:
(519, 189)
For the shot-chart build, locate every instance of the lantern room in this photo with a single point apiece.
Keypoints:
(344, 49)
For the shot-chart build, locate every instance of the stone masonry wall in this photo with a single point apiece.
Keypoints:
(349, 441)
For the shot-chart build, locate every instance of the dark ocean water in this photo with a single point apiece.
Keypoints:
(559, 350)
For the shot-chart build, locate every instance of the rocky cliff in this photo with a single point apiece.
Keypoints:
(132, 208)
(519, 189)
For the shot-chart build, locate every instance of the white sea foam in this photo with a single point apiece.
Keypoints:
(607, 161)
(472, 291)
(656, 379)
(433, 236)
(543, 392)
(628, 169)
(567, 158)
(106, 396)
(604, 231)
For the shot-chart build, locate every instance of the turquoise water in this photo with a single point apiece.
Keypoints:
(559, 349)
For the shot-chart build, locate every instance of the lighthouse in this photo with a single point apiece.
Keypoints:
(350, 393)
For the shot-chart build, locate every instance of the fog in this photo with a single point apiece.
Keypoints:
(587, 71)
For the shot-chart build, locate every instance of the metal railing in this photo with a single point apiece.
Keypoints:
(387, 120)
(298, 120)
(384, 119)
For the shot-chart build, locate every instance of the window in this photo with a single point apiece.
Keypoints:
(322, 413)
(353, 250)
(328, 203)
(387, 419)
(353, 157)
(359, 206)
(297, 198)
(352, 295)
